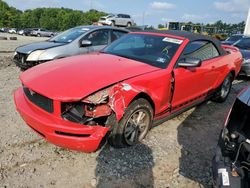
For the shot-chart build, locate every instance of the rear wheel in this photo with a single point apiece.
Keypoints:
(134, 125)
(113, 23)
(224, 90)
(129, 24)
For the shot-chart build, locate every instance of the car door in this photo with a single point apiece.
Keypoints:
(124, 20)
(42, 33)
(118, 20)
(98, 38)
(193, 83)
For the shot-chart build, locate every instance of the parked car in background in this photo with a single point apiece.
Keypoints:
(139, 80)
(12, 31)
(231, 164)
(41, 33)
(27, 31)
(244, 45)
(117, 20)
(78, 40)
(20, 32)
(4, 30)
(234, 38)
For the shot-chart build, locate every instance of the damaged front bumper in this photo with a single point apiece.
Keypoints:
(57, 130)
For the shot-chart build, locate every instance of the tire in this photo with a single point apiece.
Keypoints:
(127, 132)
(3, 38)
(39, 35)
(113, 23)
(129, 24)
(223, 91)
(13, 38)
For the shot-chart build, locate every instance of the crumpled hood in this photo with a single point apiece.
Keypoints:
(74, 78)
(27, 49)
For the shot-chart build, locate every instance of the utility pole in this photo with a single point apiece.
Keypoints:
(247, 26)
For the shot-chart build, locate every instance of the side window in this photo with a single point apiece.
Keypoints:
(116, 35)
(98, 38)
(203, 50)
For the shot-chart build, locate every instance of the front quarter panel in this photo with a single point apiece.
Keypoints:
(156, 85)
(59, 52)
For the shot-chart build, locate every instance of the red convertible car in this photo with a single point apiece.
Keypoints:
(140, 80)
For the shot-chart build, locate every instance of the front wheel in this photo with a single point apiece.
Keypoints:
(222, 93)
(134, 125)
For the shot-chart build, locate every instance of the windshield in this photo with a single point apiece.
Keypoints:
(244, 43)
(69, 35)
(153, 50)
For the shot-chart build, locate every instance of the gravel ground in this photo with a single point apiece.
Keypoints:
(177, 153)
(10, 45)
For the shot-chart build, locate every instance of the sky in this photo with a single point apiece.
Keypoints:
(149, 12)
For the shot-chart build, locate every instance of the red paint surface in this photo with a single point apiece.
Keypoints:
(75, 78)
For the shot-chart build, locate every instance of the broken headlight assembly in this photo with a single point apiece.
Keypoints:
(92, 110)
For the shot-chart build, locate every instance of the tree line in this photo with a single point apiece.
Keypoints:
(57, 19)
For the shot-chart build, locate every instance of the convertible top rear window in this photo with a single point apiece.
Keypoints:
(153, 50)
(201, 49)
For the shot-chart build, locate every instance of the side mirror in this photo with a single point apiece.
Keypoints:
(189, 62)
(85, 43)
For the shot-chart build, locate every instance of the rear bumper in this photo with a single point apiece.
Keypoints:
(56, 130)
(245, 69)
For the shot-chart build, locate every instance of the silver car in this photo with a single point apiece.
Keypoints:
(117, 20)
(75, 41)
(42, 33)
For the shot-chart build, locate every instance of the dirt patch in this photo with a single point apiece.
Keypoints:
(177, 153)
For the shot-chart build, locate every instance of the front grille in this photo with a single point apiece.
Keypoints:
(39, 100)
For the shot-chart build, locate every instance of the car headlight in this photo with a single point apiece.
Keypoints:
(34, 56)
(100, 97)
(246, 61)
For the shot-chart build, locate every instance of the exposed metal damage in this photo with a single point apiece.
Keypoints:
(98, 107)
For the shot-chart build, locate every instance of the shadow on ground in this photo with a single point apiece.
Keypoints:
(128, 167)
(198, 135)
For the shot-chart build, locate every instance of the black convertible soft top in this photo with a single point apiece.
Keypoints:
(192, 37)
